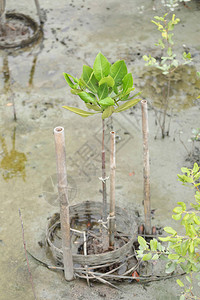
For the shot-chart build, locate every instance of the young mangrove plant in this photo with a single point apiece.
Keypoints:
(105, 89)
(168, 64)
(173, 4)
(183, 249)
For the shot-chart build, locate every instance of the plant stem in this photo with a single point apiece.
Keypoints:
(64, 204)
(112, 223)
(25, 250)
(38, 11)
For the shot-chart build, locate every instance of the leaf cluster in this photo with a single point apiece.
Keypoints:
(172, 4)
(168, 62)
(102, 87)
(181, 250)
(195, 134)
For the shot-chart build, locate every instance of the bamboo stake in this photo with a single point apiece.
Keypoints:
(146, 168)
(112, 223)
(2, 15)
(104, 174)
(105, 239)
(64, 204)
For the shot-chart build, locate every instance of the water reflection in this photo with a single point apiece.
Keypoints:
(13, 162)
(185, 87)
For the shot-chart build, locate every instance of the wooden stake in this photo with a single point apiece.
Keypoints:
(112, 222)
(64, 204)
(146, 168)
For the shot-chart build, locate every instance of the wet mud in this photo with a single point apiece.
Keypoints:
(33, 91)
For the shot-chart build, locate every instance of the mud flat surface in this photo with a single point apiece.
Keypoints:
(74, 32)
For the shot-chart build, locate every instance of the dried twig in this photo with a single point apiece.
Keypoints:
(27, 261)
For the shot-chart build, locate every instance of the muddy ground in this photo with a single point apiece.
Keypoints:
(74, 32)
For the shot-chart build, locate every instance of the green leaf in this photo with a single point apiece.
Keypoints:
(88, 79)
(153, 244)
(68, 80)
(196, 220)
(87, 97)
(118, 70)
(169, 51)
(147, 256)
(142, 242)
(170, 267)
(94, 107)
(159, 18)
(127, 93)
(191, 231)
(101, 66)
(127, 105)
(145, 57)
(188, 279)
(75, 91)
(180, 283)
(195, 168)
(181, 260)
(173, 256)
(127, 82)
(170, 230)
(103, 91)
(108, 101)
(187, 56)
(109, 80)
(79, 112)
(115, 89)
(184, 170)
(191, 247)
(160, 43)
(107, 112)
(177, 217)
(184, 247)
(165, 239)
(155, 257)
(182, 297)
(178, 210)
(163, 257)
(182, 204)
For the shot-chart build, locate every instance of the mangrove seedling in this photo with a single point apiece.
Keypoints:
(168, 63)
(182, 249)
(105, 89)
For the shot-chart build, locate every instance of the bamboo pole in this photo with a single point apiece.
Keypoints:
(104, 173)
(112, 223)
(146, 168)
(64, 204)
(2, 15)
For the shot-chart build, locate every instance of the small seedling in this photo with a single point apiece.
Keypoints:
(105, 89)
(168, 62)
